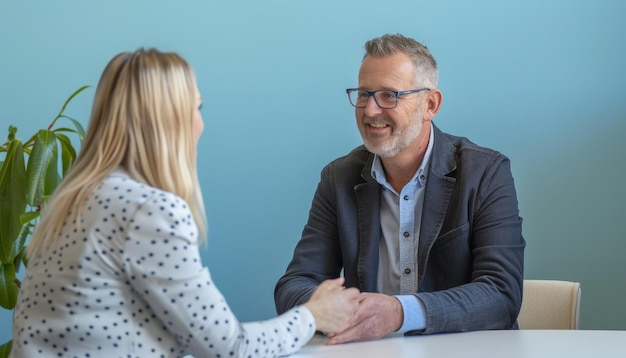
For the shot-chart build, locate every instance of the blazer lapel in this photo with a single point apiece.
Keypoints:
(437, 195)
(368, 218)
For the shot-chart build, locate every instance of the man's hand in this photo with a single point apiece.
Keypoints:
(377, 316)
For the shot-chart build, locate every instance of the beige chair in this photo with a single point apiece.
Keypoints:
(550, 304)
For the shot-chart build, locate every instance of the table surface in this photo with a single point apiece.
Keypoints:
(483, 344)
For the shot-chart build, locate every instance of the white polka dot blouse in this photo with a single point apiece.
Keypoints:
(128, 281)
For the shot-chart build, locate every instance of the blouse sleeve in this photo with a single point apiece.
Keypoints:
(163, 265)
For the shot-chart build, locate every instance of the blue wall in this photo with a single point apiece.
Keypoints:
(541, 81)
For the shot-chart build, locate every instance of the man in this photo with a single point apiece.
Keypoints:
(424, 223)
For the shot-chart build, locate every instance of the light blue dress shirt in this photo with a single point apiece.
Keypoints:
(400, 217)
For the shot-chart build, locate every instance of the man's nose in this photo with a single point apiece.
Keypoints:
(371, 107)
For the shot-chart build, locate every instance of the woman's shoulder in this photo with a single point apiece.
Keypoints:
(145, 206)
(121, 189)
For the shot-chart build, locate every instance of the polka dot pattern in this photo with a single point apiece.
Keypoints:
(127, 281)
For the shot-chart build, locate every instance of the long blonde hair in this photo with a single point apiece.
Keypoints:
(141, 120)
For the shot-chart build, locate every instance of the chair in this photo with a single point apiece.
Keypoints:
(550, 304)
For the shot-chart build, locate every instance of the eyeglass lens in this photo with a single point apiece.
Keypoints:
(384, 99)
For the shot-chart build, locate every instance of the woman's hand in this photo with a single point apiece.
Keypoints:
(333, 305)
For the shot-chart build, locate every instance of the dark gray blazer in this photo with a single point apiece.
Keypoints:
(471, 249)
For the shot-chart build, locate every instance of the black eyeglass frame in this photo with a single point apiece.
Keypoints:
(373, 93)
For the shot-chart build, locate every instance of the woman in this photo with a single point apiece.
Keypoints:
(114, 267)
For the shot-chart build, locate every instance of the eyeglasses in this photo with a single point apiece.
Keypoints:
(386, 99)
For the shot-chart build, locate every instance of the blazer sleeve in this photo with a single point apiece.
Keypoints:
(317, 256)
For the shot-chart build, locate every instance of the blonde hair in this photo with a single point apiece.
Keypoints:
(142, 121)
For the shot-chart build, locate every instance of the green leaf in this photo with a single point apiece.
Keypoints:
(43, 152)
(52, 175)
(28, 225)
(29, 216)
(12, 131)
(12, 198)
(5, 349)
(8, 286)
(19, 258)
(63, 129)
(68, 153)
(80, 130)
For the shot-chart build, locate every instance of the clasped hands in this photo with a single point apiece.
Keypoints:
(349, 315)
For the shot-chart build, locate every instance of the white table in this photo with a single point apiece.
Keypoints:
(480, 344)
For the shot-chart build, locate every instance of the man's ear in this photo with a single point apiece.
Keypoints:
(433, 103)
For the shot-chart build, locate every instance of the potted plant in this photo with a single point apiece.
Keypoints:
(29, 173)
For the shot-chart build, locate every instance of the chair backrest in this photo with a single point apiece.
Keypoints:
(550, 304)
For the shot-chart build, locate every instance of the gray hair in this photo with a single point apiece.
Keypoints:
(426, 73)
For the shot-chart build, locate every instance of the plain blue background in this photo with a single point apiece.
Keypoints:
(542, 81)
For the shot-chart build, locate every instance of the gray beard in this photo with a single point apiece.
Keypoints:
(399, 140)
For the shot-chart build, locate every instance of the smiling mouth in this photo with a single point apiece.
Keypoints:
(377, 125)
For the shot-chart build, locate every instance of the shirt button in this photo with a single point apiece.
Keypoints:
(407, 271)
(406, 197)
(406, 234)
